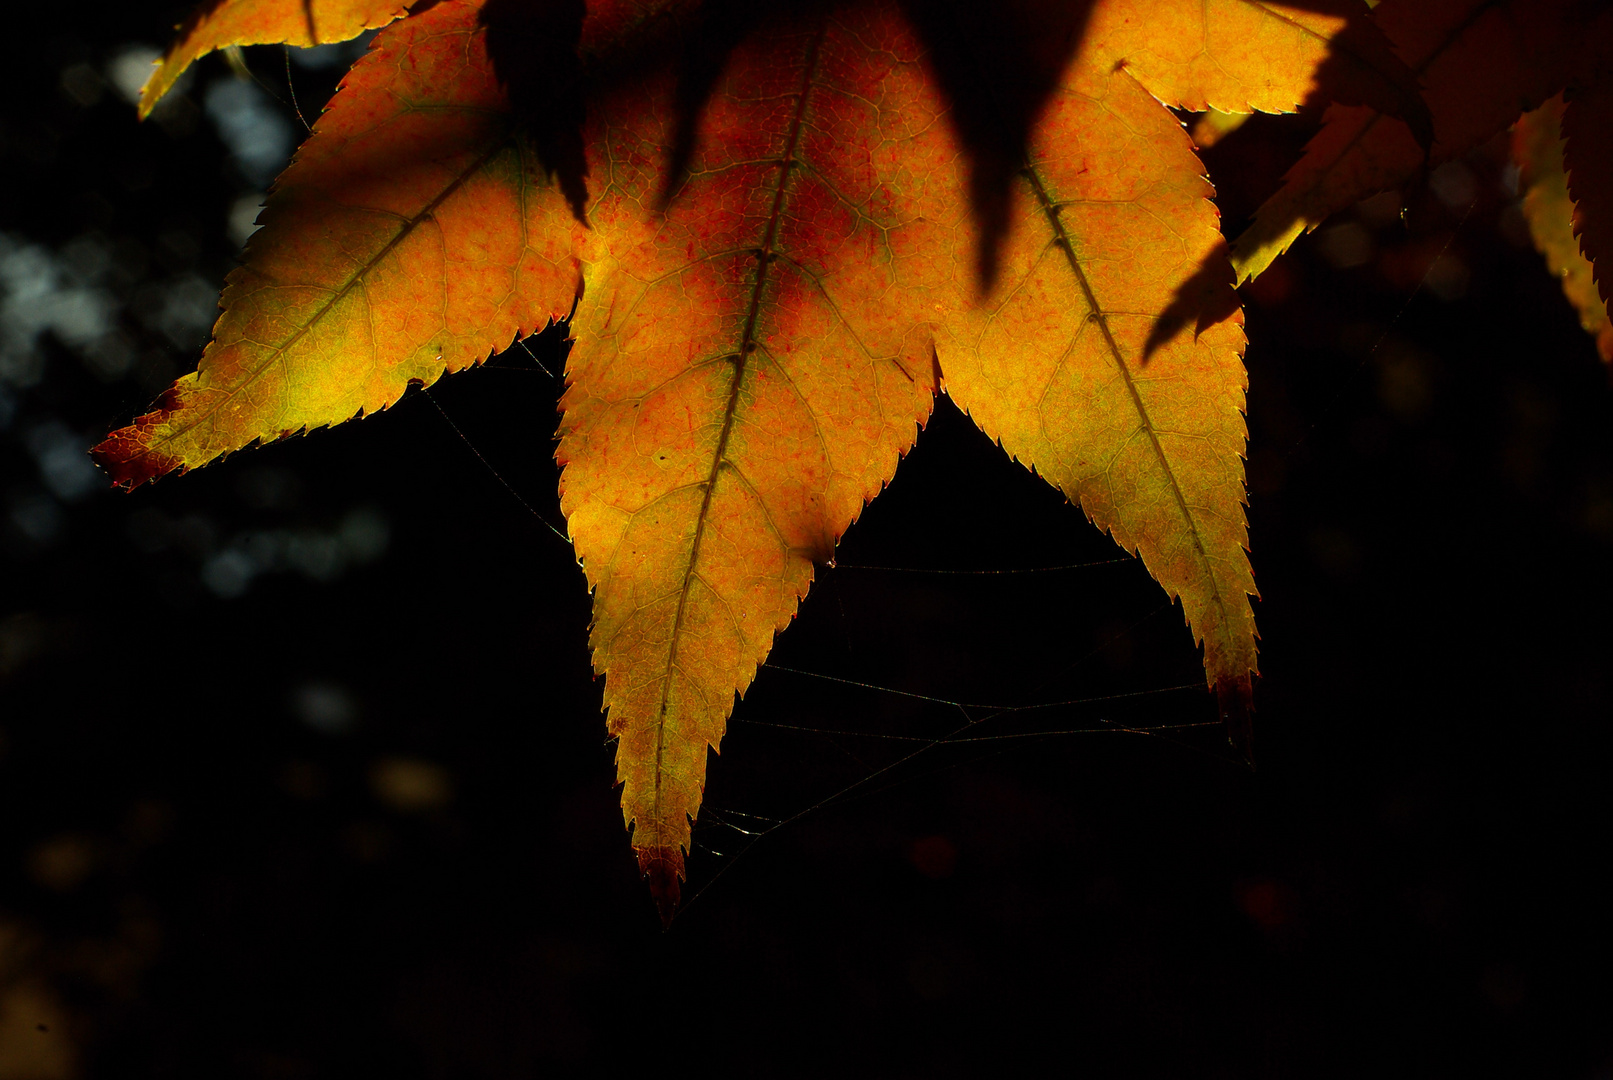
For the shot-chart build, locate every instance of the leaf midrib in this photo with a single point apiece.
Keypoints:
(1050, 209)
(426, 213)
(764, 259)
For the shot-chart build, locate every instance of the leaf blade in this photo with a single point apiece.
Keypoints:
(1244, 56)
(1537, 148)
(217, 24)
(1587, 159)
(735, 397)
(1099, 246)
(408, 237)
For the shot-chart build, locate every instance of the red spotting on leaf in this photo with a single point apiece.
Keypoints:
(751, 362)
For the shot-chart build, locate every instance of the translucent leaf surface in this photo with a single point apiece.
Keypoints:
(217, 24)
(784, 228)
(1111, 219)
(1587, 127)
(749, 367)
(1537, 148)
(413, 234)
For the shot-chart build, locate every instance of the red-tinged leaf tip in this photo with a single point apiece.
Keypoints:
(662, 868)
(128, 466)
(1236, 701)
(405, 240)
(698, 495)
(127, 457)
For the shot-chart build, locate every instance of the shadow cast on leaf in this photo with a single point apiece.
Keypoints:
(1360, 69)
(996, 65)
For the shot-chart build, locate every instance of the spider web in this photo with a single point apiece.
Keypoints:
(954, 628)
(862, 727)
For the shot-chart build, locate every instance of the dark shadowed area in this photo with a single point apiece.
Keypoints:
(302, 771)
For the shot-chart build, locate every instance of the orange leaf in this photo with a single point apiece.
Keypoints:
(306, 23)
(410, 236)
(1587, 127)
(1480, 61)
(1111, 219)
(1537, 147)
(750, 364)
(1236, 56)
(781, 262)
(749, 367)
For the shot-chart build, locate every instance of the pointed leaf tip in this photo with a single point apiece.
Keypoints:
(1137, 421)
(126, 465)
(407, 238)
(662, 868)
(744, 382)
(222, 24)
(127, 456)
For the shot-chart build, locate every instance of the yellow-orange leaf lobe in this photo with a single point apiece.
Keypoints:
(750, 365)
(1588, 161)
(217, 24)
(411, 235)
(1537, 147)
(773, 249)
(1112, 218)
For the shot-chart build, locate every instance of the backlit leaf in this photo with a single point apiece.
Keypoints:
(1111, 219)
(1236, 56)
(784, 228)
(749, 367)
(217, 24)
(1537, 147)
(1587, 127)
(413, 234)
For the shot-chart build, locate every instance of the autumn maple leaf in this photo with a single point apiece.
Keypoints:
(1537, 147)
(778, 232)
(233, 23)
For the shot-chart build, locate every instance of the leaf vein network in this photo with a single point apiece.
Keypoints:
(355, 279)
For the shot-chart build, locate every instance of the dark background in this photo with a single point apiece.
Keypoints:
(302, 771)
